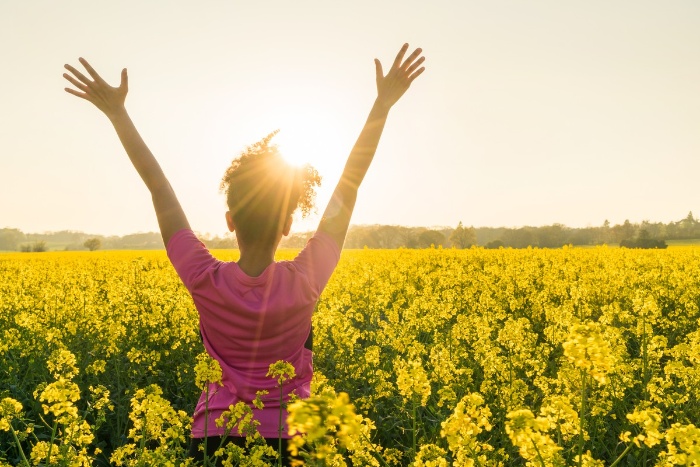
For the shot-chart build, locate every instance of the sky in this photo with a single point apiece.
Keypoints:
(528, 113)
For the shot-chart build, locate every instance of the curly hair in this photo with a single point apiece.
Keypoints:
(263, 190)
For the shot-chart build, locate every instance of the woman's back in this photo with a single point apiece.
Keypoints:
(248, 323)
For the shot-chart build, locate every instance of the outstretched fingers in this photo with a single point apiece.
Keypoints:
(77, 74)
(412, 58)
(91, 71)
(80, 81)
(415, 65)
(75, 82)
(82, 95)
(399, 56)
(416, 74)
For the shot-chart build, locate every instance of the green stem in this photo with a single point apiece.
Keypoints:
(627, 449)
(378, 455)
(142, 444)
(475, 457)
(581, 418)
(279, 430)
(21, 451)
(510, 381)
(53, 437)
(206, 425)
(414, 427)
(645, 359)
(539, 454)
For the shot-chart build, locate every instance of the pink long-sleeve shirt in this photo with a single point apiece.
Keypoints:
(247, 323)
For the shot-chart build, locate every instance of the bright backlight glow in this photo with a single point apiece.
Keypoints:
(307, 139)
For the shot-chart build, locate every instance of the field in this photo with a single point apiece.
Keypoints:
(477, 357)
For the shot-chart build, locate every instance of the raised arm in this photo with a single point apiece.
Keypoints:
(390, 88)
(110, 101)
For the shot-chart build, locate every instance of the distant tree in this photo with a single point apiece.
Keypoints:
(295, 240)
(654, 229)
(519, 238)
(463, 238)
(141, 241)
(687, 228)
(39, 246)
(645, 243)
(625, 231)
(690, 219)
(494, 245)
(430, 237)
(388, 236)
(409, 238)
(551, 236)
(644, 240)
(603, 233)
(585, 236)
(10, 238)
(92, 244)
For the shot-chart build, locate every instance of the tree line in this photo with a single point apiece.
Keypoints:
(16, 240)
(645, 234)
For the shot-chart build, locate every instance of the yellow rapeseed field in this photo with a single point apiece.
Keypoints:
(570, 357)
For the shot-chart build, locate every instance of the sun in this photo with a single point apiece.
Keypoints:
(309, 139)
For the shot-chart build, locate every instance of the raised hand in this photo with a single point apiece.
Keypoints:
(108, 99)
(391, 87)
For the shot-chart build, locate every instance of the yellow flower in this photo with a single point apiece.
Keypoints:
(9, 410)
(430, 455)
(560, 414)
(100, 398)
(530, 436)
(240, 416)
(320, 420)
(588, 461)
(257, 402)
(462, 428)
(41, 450)
(207, 370)
(412, 381)
(649, 420)
(62, 364)
(97, 367)
(284, 371)
(59, 398)
(587, 348)
(683, 445)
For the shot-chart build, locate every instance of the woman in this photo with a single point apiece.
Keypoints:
(256, 311)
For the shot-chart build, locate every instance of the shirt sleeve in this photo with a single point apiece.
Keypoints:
(318, 260)
(189, 256)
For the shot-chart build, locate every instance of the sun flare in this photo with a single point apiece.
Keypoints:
(308, 139)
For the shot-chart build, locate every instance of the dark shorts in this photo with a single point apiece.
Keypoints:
(213, 443)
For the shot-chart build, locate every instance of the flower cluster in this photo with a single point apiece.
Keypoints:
(461, 429)
(412, 381)
(531, 436)
(154, 423)
(588, 349)
(321, 424)
(9, 410)
(206, 371)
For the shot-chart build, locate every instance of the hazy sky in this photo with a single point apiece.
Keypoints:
(529, 112)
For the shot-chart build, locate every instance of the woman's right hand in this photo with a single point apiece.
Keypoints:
(108, 99)
(391, 87)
